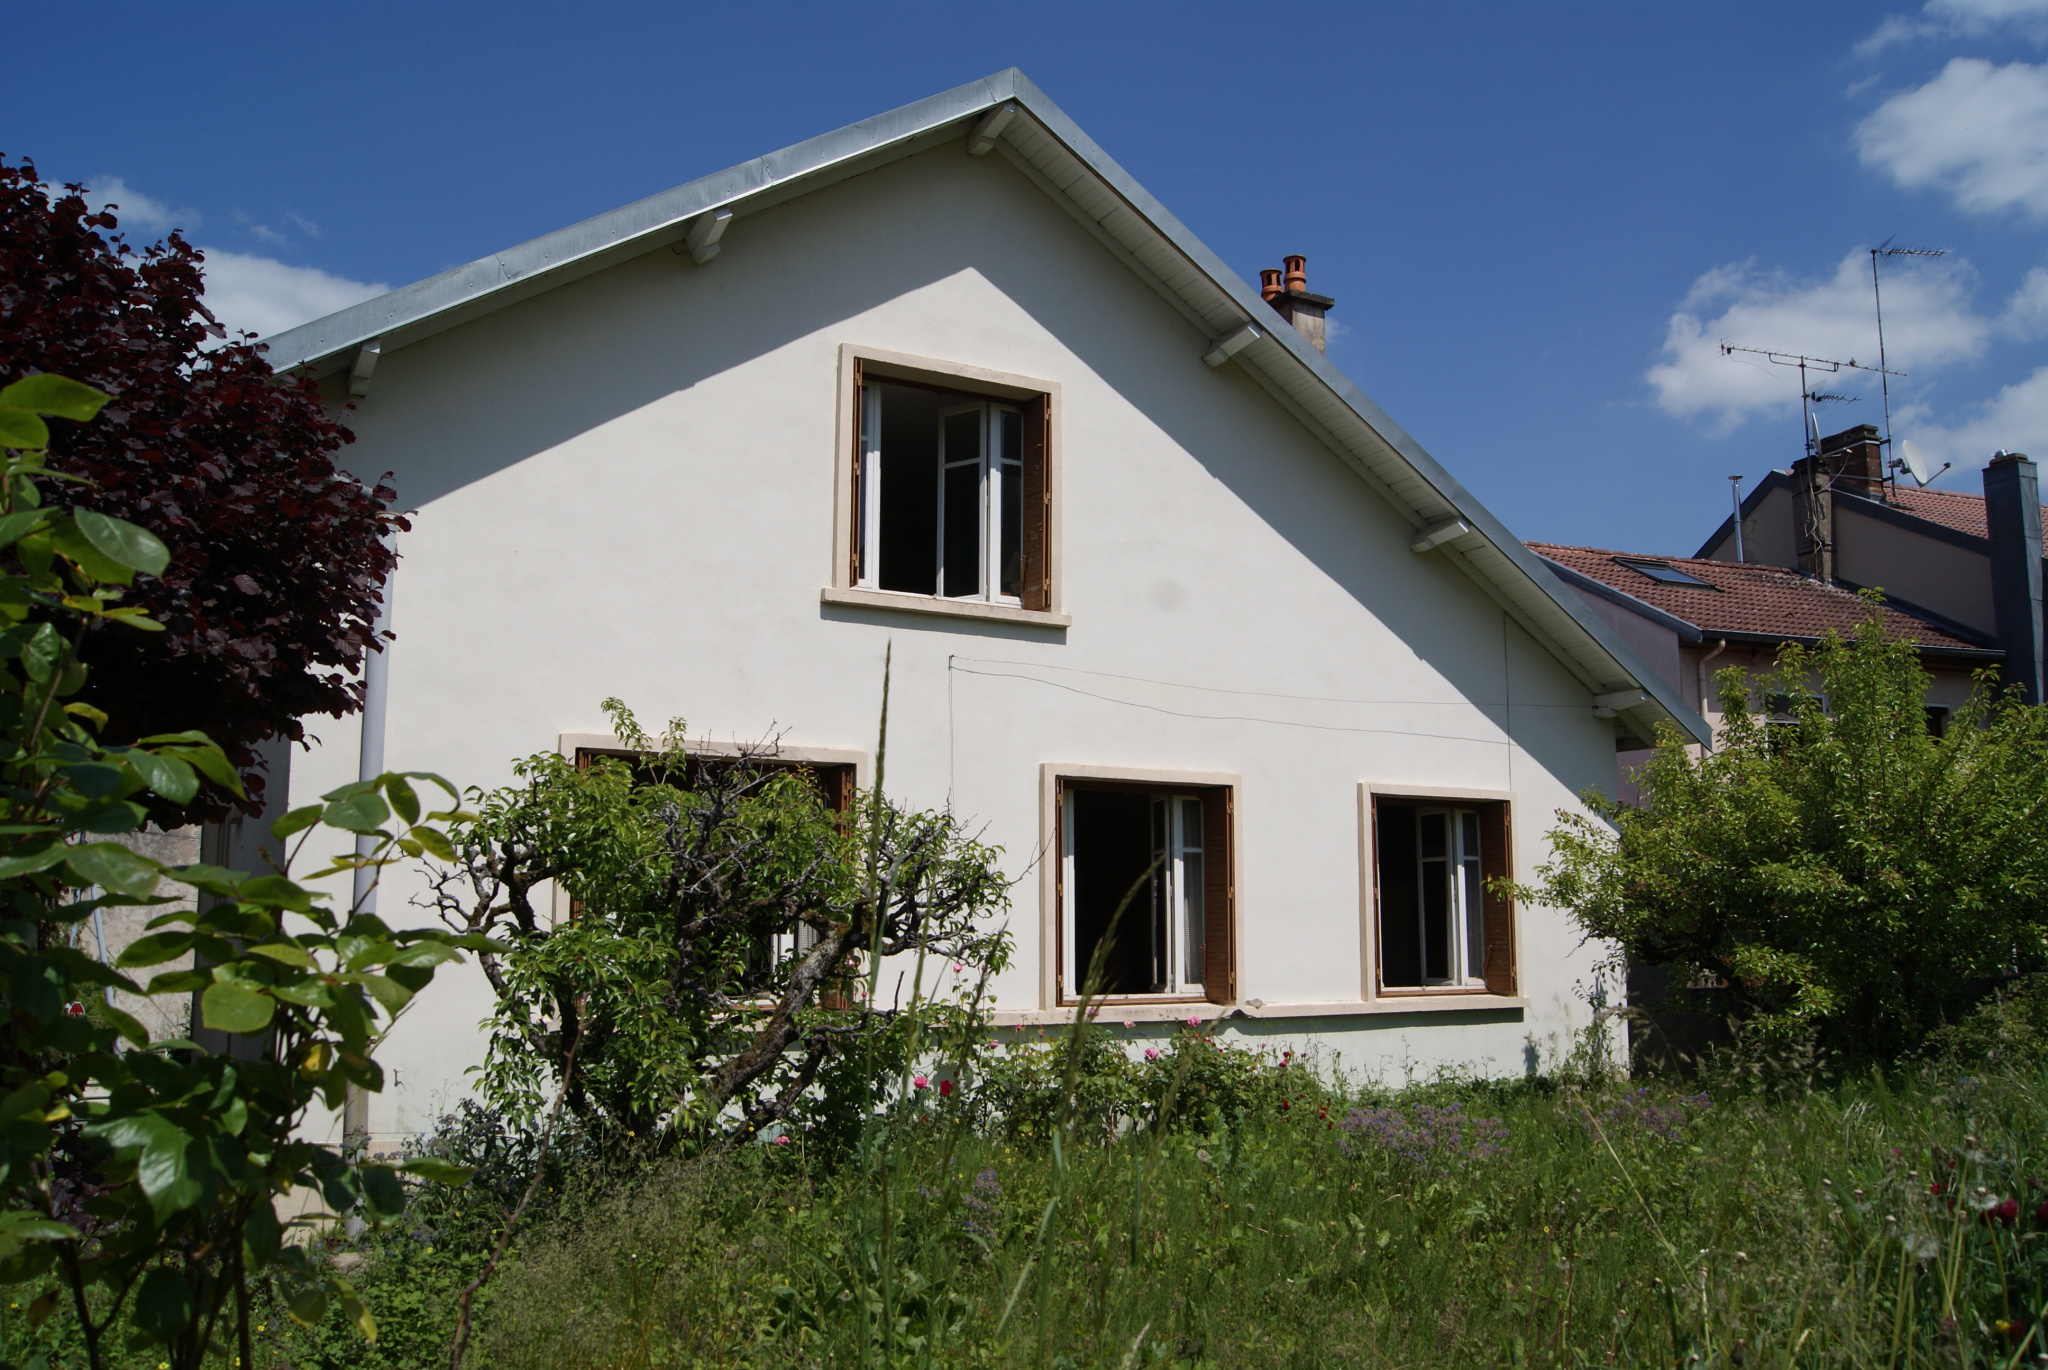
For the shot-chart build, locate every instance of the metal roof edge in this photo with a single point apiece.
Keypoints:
(668, 211)
(1772, 480)
(1900, 517)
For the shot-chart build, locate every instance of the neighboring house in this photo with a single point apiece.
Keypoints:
(1158, 578)
(1969, 565)
(1690, 617)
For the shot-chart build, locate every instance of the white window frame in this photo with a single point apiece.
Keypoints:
(856, 508)
(1371, 912)
(1463, 931)
(1178, 849)
(988, 460)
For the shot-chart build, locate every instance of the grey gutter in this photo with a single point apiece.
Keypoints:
(1527, 590)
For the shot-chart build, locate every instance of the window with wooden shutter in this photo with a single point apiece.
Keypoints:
(1437, 926)
(948, 488)
(1145, 884)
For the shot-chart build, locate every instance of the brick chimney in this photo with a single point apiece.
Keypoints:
(2012, 516)
(1287, 291)
(1851, 461)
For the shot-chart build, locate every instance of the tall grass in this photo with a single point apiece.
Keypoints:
(1873, 1224)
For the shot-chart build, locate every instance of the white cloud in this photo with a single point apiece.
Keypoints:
(1959, 19)
(135, 210)
(1929, 322)
(1977, 131)
(266, 296)
(2015, 420)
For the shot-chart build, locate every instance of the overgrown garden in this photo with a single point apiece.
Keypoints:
(745, 1106)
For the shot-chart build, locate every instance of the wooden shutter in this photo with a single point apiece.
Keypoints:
(860, 458)
(1496, 849)
(1219, 897)
(1037, 579)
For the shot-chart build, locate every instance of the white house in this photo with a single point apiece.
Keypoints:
(949, 379)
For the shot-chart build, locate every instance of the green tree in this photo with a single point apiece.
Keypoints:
(707, 976)
(144, 1176)
(1846, 871)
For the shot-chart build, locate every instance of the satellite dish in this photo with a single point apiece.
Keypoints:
(1813, 432)
(1916, 461)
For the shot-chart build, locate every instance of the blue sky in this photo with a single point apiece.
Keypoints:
(1537, 221)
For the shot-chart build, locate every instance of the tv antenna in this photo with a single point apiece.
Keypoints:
(1906, 454)
(1810, 398)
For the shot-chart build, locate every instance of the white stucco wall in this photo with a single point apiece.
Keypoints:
(625, 487)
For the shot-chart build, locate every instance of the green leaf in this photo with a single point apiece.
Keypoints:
(87, 712)
(286, 952)
(156, 949)
(297, 821)
(29, 1227)
(362, 813)
(307, 1306)
(163, 1304)
(355, 1310)
(113, 868)
(383, 1195)
(14, 526)
(123, 543)
(42, 652)
(434, 1170)
(402, 798)
(275, 892)
(434, 841)
(125, 1023)
(49, 856)
(165, 775)
(386, 991)
(58, 396)
(231, 1006)
(70, 541)
(22, 431)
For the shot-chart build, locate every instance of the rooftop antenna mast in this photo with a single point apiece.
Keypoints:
(1883, 250)
(1809, 398)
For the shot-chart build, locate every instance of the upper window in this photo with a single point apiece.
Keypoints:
(1666, 574)
(1438, 925)
(951, 495)
(1145, 890)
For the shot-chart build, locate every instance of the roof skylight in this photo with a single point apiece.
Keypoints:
(1665, 574)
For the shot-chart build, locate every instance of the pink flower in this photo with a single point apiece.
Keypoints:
(1151, 1053)
(1095, 1010)
(920, 1082)
(993, 1045)
(959, 969)
(782, 1141)
(945, 1089)
(1129, 1024)
(1193, 1021)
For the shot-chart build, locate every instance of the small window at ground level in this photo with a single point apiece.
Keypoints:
(1937, 720)
(1437, 924)
(950, 494)
(1145, 891)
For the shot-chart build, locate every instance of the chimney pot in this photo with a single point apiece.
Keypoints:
(1270, 284)
(1297, 272)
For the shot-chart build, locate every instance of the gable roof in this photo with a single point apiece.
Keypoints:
(1748, 602)
(1038, 138)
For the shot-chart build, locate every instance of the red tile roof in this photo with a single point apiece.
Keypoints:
(1949, 508)
(1745, 597)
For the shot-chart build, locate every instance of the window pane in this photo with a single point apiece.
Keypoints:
(1194, 928)
(1436, 920)
(908, 522)
(962, 571)
(1112, 849)
(1400, 897)
(1435, 835)
(1012, 547)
